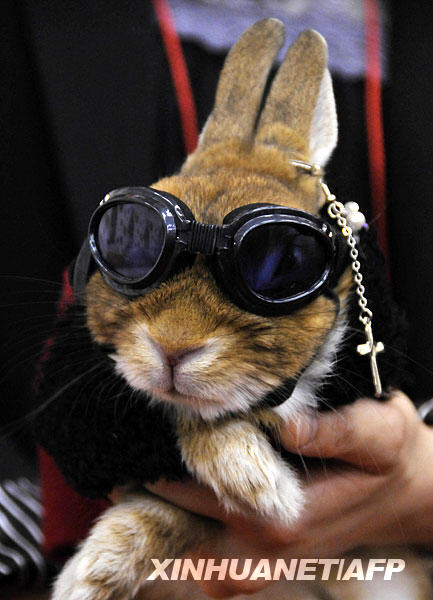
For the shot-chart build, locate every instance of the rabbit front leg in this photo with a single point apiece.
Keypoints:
(114, 562)
(236, 460)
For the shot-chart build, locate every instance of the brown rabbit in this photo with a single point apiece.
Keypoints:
(207, 360)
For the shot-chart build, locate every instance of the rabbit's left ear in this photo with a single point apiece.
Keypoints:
(299, 116)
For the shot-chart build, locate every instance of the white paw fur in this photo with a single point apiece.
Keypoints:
(236, 460)
(113, 563)
(69, 585)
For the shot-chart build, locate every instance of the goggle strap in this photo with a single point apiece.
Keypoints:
(81, 270)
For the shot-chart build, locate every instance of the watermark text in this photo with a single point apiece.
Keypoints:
(304, 569)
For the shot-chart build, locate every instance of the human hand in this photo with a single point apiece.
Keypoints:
(377, 489)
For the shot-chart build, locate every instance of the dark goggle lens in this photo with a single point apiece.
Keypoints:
(281, 260)
(130, 239)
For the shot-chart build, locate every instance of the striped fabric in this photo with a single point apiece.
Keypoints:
(216, 24)
(21, 560)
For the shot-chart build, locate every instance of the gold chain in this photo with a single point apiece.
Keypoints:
(336, 211)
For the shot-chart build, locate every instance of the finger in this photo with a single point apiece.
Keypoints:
(216, 589)
(118, 493)
(229, 588)
(334, 493)
(190, 495)
(368, 433)
(229, 546)
(248, 526)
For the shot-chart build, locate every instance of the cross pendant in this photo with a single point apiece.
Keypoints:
(372, 348)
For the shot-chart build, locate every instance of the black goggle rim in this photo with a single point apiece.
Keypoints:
(224, 263)
(233, 279)
(175, 216)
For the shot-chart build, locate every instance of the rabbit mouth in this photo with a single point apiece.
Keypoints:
(178, 398)
(225, 398)
(207, 408)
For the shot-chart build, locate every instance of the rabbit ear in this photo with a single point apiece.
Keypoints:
(299, 115)
(241, 84)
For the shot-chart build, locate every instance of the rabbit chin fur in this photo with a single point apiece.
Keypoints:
(233, 357)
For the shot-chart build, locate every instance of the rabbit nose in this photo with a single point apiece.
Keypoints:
(174, 358)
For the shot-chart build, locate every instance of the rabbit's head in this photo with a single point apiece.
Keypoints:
(185, 342)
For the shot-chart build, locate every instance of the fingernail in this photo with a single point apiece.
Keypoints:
(306, 429)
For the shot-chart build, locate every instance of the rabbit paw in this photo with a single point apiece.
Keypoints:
(93, 574)
(236, 460)
(270, 488)
(115, 560)
(69, 586)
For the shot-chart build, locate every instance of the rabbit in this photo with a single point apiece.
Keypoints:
(211, 422)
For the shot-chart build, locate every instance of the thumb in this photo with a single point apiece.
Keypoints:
(368, 433)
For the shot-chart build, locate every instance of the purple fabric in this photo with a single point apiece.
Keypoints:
(216, 24)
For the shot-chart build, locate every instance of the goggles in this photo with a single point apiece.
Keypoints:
(268, 259)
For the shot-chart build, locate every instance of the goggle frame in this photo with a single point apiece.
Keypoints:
(185, 238)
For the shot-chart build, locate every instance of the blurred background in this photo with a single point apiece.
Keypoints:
(88, 104)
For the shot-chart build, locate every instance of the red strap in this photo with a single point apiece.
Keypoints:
(374, 124)
(67, 297)
(179, 73)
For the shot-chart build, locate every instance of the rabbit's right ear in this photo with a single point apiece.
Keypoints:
(299, 115)
(242, 82)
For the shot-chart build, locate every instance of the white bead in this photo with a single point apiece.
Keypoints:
(354, 216)
(357, 221)
(351, 207)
